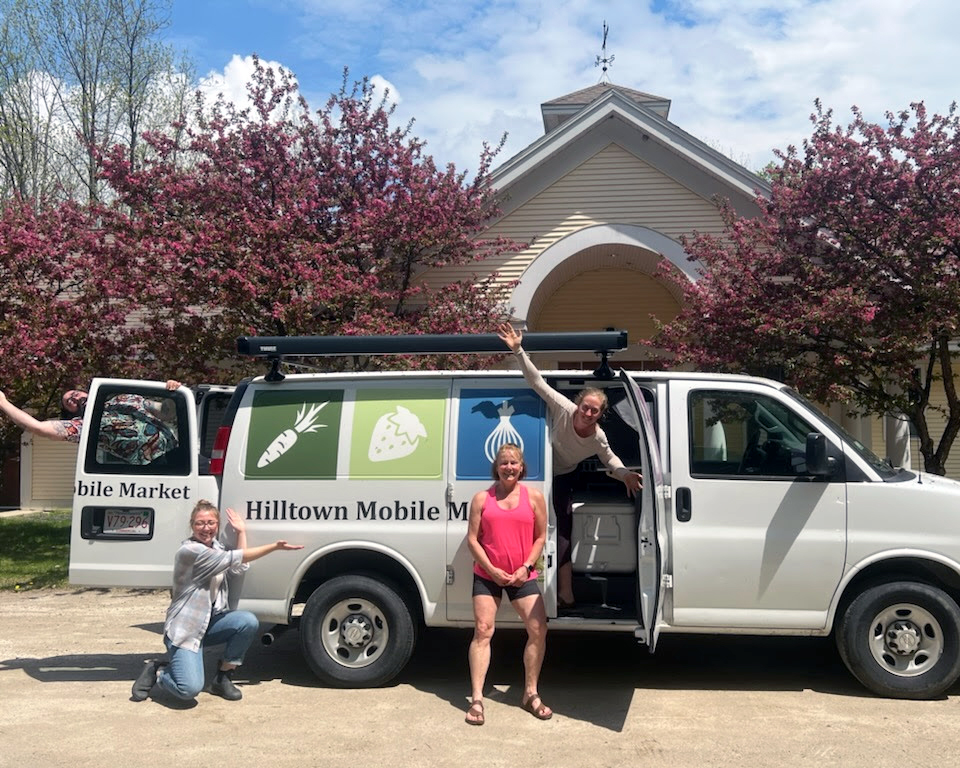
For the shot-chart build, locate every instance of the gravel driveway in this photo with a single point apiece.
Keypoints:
(68, 657)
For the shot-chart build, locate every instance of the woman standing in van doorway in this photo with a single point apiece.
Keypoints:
(506, 533)
(199, 615)
(575, 436)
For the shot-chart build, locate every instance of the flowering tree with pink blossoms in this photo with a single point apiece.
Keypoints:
(268, 220)
(66, 297)
(848, 283)
(274, 220)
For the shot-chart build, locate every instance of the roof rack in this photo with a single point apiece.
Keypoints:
(275, 348)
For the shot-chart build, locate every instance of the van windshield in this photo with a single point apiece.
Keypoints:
(882, 467)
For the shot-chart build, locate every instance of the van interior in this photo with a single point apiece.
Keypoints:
(605, 518)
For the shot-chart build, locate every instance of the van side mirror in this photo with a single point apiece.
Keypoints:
(818, 463)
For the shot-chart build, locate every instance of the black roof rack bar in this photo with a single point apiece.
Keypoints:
(601, 342)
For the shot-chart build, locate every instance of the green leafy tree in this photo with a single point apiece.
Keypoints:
(78, 77)
(273, 220)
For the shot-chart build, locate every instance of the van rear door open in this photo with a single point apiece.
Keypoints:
(136, 482)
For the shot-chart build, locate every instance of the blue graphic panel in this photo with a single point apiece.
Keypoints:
(491, 417)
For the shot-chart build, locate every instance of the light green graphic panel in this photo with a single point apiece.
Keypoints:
(398, 434)
(294, 434)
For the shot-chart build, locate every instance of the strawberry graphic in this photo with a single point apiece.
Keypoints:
(395, 435)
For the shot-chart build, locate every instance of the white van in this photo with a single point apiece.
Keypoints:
(758, 514)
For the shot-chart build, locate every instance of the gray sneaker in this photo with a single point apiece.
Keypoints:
(145, 680)
(223, 686)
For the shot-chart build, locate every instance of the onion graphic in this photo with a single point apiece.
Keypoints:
(503, 433)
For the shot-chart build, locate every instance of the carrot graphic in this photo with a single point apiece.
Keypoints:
(286, 439)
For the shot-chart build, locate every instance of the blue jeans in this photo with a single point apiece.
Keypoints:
(183, 676)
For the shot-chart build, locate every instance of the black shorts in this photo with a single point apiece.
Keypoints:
(482, 586)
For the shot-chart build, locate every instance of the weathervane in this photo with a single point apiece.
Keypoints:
(605, 60)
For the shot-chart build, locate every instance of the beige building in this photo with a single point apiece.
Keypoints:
(602, 198)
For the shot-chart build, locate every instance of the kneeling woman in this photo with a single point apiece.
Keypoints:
(199, 615)
(507, 531)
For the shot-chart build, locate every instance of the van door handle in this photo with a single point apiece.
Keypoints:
(684, 502)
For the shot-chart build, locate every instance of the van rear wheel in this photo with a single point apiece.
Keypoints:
(902, 640)
(356, 632)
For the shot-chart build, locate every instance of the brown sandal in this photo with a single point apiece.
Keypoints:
(541, 711)
(475, 713)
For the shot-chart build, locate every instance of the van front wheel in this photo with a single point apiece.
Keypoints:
(902, 640)
(356, 632)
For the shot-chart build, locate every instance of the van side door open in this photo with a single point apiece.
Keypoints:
(757, 512)
(650, 538)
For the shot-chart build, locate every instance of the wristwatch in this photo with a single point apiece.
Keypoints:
(529, 568)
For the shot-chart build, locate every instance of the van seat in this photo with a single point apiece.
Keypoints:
(604, 539)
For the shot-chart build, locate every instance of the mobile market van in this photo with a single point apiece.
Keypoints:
(758, 514)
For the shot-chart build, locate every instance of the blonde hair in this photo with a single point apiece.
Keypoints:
(598, 393)
(517, 450)
(204, 506)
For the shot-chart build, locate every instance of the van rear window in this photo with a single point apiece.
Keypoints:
(137, 431)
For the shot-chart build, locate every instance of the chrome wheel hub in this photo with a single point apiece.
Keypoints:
(906, 640)
(903, 637)
(356, 631)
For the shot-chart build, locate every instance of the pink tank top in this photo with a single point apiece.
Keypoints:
(506, 535)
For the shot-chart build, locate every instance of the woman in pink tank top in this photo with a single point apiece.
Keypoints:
(507, 531)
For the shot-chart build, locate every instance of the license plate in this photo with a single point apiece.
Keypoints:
(126, 522)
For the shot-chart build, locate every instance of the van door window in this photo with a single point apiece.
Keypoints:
(137, 428)
(736, 434)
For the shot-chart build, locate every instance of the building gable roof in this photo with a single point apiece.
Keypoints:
(557, 111)
(618, 115)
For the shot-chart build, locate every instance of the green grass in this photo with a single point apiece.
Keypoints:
(34, 550)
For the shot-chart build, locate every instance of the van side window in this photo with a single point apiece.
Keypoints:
(215, 407)
(137, 432)
(737, 434)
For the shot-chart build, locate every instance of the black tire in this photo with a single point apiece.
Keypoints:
(357, 632)
(902, 640)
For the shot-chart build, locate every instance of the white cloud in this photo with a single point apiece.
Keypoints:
(742, 75)
(383, 87)
(232, 82)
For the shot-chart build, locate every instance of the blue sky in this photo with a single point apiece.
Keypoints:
(742, 75)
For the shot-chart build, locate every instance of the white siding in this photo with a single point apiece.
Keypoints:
(937, 397)
(46, 473)
(936, 420)
(612, 187)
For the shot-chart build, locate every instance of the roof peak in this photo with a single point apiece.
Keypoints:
(559, 110)
(587, 95)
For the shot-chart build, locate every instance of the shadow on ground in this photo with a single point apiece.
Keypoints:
(591, 677)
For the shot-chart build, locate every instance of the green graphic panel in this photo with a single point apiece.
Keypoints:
(294, 434)
(398, 434)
